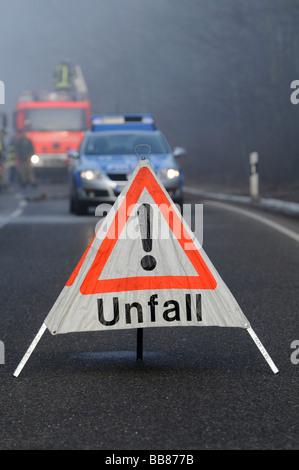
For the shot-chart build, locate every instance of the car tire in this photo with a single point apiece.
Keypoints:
(80, 207)
(77, 207)
(180, 203)
(72, 206)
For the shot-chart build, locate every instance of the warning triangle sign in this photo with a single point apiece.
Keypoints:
(145, 194)
(143, 268)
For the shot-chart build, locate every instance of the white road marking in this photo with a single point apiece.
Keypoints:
(53, 219)
(15, 217)
(12, 216)
(264, 220)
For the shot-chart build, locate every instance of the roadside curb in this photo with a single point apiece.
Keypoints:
(270, 204)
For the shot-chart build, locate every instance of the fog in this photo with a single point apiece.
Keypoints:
(216, 74)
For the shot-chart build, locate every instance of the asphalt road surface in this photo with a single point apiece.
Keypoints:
(196, 388)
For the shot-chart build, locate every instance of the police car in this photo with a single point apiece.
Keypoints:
(107, 158)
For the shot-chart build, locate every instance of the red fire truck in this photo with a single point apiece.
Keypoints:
(55, 122)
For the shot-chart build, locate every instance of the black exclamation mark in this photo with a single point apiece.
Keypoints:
(148, 262)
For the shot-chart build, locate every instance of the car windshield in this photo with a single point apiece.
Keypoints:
(56, 119)
(124, 144)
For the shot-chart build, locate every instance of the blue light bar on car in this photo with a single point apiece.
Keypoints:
(105, 122)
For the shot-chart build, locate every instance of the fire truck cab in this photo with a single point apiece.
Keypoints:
(55, 122)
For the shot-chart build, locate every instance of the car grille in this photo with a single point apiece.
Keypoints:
(117, 176)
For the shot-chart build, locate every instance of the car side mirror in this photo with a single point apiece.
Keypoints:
(73, 154)
(179, 152)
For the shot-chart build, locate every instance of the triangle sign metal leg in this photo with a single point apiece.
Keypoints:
(139, 344)
(30, 350)
(262, 350)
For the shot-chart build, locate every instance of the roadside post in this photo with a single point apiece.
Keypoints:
(2, 92)
(254, 176)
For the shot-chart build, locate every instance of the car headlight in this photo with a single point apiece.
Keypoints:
(170, 173)
(34, 159)
(90, 174)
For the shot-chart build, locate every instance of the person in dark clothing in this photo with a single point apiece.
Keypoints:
(12, 163)
(25, 150)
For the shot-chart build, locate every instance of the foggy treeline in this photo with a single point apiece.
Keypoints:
(255, 46)
(216, 74)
